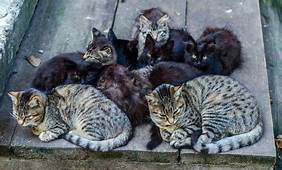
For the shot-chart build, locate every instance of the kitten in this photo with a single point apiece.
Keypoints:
(172, 73)
(66, 68)
(100, 49)
(173, 50)
(128, 89)
(153, 22)
(80, 114)
(218, 52)
(224, 110)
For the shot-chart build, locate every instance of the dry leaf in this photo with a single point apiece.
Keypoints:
(33, 60)
(278, 141)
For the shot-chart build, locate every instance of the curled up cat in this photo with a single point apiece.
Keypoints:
(218, 51)
(223, 110)
(80, 114)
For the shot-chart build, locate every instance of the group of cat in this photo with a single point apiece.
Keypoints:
(163, 76)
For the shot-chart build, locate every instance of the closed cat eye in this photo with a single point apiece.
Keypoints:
(107, 49)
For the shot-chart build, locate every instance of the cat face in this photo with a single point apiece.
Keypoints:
(166, 106)
(155, 52)
(100, 50)
(191, 52)
(157, 28)
(205, 56)
(28, 106)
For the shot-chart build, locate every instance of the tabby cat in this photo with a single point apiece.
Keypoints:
(153, 22)
(218, 52)
(66, 68)
(80, 114)
(224, 110)
(172, 50)
(100, 49)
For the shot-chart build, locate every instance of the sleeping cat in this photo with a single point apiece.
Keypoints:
(172, 50)
(224, 110)
(173, 73)
(100, 49)
(80, 114)
(62, 69)
(218, 52)
(153, 22)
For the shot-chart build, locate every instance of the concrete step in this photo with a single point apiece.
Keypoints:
(62, 26)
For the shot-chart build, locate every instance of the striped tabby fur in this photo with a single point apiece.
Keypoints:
(79, 113)
(222, 109)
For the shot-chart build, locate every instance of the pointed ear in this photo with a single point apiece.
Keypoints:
(150, 97)
(189, 46)
(176, 91)
(35, 101)
(143, 20)
(95, 33)
(14, 96)
(163, 19)
(63, 92)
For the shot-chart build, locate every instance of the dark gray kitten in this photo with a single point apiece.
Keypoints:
(80, 114)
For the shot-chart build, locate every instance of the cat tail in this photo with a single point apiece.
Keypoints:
(234, 142)
(103, 145)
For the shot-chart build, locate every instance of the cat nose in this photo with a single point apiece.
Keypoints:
(171, 120)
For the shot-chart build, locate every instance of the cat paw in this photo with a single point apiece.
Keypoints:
(165, 135)
(200, 145)
(181, 143)
(47, 136)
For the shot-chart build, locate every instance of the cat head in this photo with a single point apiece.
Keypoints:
(154, 22)
(28, 106)
(206, 54)
(155, 52)
(100, 49)
(166, 105)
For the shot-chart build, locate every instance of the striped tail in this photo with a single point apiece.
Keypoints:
(104, 145)
(233, 142)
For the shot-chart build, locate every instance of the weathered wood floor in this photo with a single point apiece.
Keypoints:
(65, 26)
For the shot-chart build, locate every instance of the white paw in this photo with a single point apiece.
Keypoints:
(47, 136)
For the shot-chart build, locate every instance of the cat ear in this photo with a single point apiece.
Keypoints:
(190, 46)
(35, 101)
(63, 92)
(95, 33)
(176, 91)
(144, 21)
(163, 19)
(150, 97)
(14, 96)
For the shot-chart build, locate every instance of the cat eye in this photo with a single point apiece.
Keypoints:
(194, 56)
(107, 49)
(205, 57)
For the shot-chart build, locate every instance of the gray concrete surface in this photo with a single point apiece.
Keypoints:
(14, 21)
(61, 26)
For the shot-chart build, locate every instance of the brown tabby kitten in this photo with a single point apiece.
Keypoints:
(218, 52)
(153, 22)
(66, 68)
(101, 49)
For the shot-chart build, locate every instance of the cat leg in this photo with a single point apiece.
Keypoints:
(205, 138)
(53, 133)
(183, 136)
(165, 135)
(156, 138)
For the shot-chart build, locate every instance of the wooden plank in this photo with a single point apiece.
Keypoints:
(130, 9)
(243, 17)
